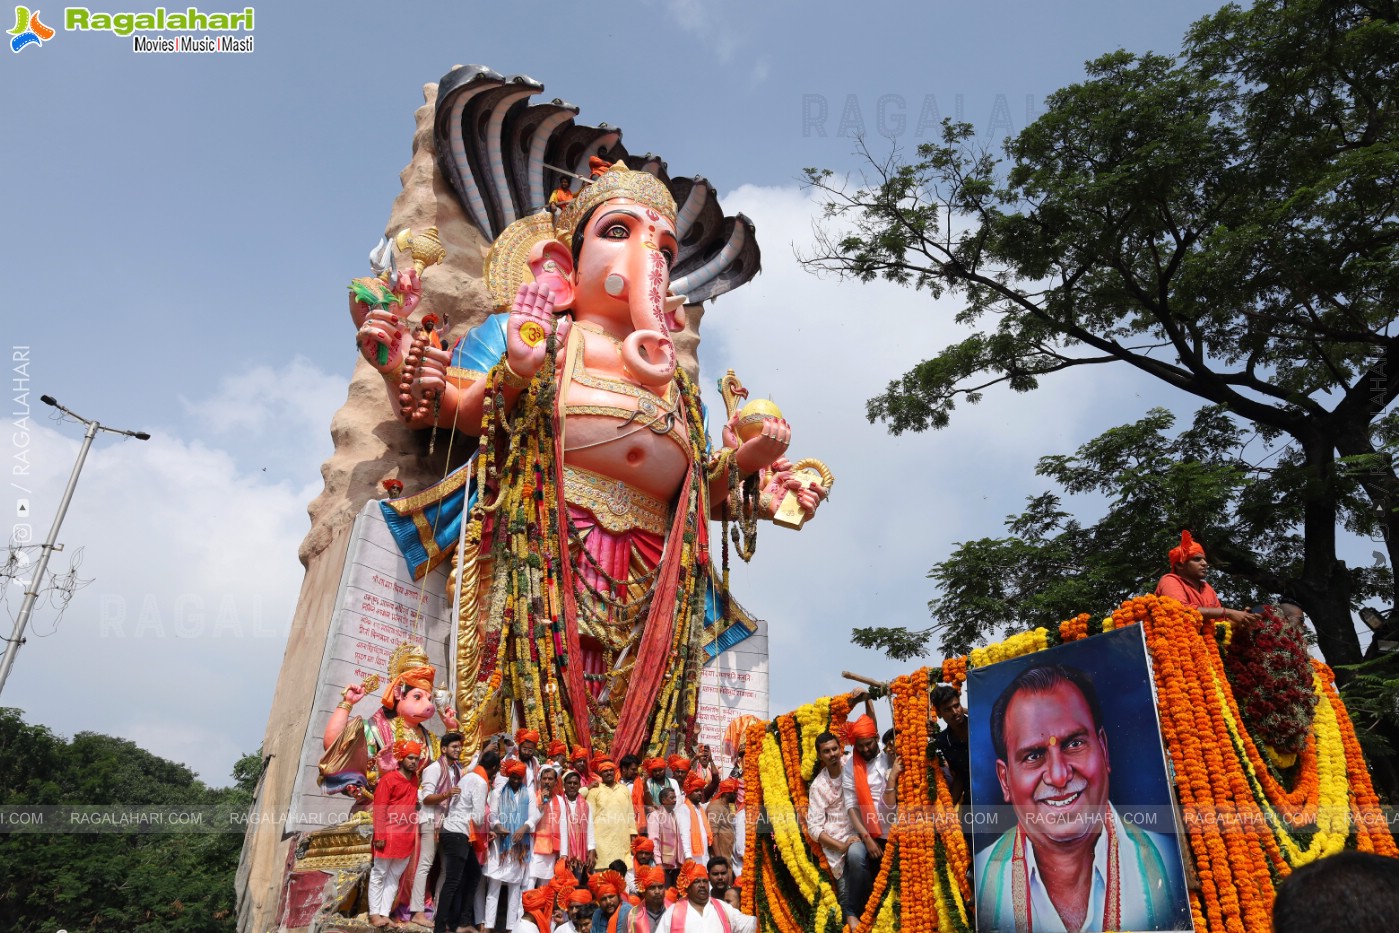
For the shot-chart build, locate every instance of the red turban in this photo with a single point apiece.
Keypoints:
(679, 763)
(577, 752)
(647, 875)
(693, 782)
(641, 844)
(513, 767)
(420, 677)
(527, 735)
(403, 748)
(728, 786)
(655, 764)
(1189, 547)
(556, 747)
(862, 728)
(580, 896)
(602, 764)
(690, 872)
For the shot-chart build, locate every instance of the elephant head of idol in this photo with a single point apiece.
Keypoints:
(610, 264)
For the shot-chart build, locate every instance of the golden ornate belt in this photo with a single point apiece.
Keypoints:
(616, 506)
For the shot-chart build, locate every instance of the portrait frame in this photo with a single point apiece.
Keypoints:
(1150, 878)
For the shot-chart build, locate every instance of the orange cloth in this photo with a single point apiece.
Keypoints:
(1183, 591)
(697, 846)
(597, 166)
(728, 786)
(526, 735)
(420, 677)
(546, 832)
(555, 748)
(539, 907)
(580, 896)
(513, 767)
(679, 763)
(602, 764)
(865, 800)
(642, 844)
(693, 782)
(561, 196)
(1188, 548)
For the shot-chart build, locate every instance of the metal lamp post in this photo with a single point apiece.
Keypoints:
(31, 594)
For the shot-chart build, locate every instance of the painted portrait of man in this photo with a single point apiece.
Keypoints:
(1072, 860)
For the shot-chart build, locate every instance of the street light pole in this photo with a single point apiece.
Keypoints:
(31, 595)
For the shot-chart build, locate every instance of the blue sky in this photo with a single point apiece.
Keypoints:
(180, 229)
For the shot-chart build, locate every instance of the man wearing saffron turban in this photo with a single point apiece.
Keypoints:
(608, 888)
(689, 815)
(721, 814)
(1186, 583)
(614, 821)
(863, 780)
(696, 912)
(395, 830)
(513, 814)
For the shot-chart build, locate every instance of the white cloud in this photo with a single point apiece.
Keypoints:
(821, 348)
(177, 642)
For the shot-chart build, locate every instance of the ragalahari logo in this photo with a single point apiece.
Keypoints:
(28, 30)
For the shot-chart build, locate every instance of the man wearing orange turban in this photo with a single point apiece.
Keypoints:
(645, 917)
(1186, 583)
(694, 911)
(614, 818)
(526, 748)
(538, 907)
(863, 779)
(646, 791)
(608, 888)
(694, 831)
(721, 813)
(513, 814)
(395, 830)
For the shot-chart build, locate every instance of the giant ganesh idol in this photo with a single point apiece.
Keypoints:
(589, 569)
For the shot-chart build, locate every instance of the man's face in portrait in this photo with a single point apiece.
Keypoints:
(1055, 773)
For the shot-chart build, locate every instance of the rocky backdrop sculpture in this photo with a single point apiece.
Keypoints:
(588, 581)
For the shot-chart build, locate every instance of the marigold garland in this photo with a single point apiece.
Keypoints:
(1246, 827)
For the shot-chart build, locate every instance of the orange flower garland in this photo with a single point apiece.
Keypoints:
(1237, 814)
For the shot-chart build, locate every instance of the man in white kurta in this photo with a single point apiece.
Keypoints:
(698, 913)
(513, 816)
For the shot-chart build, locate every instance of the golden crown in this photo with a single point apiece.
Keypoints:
(617, 182)
(406, 657)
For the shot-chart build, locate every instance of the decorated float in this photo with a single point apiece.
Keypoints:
(1263, 759)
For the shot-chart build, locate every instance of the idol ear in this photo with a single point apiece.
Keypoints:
(552, 265)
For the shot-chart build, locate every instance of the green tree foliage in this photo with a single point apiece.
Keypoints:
(146, 883)
(1226, 222)
(1053, 565)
